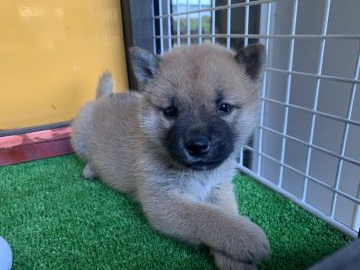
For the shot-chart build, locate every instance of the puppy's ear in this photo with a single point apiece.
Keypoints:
(144, 64)
(253, 58)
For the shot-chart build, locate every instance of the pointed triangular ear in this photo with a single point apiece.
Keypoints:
(253, 57)
(144, 64)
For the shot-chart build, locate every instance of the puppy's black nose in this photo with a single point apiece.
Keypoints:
(197, 146)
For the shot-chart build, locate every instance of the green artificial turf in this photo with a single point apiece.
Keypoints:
(54, 219)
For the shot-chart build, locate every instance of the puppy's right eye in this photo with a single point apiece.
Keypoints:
(170, 112)
(224, 109)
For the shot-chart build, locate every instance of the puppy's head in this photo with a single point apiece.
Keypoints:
(200, 102)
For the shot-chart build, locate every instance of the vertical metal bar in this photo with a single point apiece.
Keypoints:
(246, 30)
(153, 27)
(241, 158)
(161, 28)
(169, 25)
(200, 23)
(213, 22)
(288, 88)
(263, 93)
(178, 23)
(245, 44)
(316, 98)
(356, 216)
(188, 23)
(345, 136)
(228, 24)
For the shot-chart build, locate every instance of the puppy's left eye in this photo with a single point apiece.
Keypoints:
(224, 109)
(170, 112)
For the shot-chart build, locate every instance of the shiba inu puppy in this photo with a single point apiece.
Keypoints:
(174, 145)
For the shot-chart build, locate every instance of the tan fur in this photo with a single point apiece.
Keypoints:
(119, 136)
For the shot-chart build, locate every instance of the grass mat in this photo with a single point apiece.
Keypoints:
(53, 219)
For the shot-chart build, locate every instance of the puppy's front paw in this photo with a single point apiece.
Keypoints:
(224, 262)
(246, 242)
(88, 173)
(255, 246)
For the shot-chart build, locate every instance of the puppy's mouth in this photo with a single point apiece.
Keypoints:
(202, 165)
(198, 161)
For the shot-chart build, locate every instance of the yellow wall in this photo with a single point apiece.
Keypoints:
(51, 55)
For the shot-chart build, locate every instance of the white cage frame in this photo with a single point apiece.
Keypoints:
(165, 40)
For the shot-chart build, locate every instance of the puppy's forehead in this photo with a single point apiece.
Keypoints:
(199, 73)
(192, 60)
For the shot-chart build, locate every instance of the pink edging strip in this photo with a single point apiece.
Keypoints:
(35, 145)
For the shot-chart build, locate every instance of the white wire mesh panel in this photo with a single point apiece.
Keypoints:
(307, 143)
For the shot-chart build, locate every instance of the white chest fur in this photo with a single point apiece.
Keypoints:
(200, 184)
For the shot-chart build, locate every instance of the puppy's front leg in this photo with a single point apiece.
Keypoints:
(179, 216)
(223, 196)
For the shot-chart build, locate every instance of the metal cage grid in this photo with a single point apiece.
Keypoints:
(173, 23)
